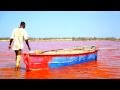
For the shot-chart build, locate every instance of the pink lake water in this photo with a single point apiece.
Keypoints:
(107, 65)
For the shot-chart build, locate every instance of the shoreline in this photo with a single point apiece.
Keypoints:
(67, 39)
(60, 40)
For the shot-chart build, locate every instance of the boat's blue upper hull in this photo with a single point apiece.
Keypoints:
(60, 61)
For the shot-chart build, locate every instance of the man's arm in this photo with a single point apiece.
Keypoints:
(27, 44)
(10, 43)
(11, 39)
(26, 39)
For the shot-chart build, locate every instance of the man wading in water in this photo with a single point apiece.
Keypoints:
(18, 36)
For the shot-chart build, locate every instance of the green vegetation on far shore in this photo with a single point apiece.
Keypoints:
(67, 39)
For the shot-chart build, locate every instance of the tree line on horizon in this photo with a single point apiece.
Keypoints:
(71, 38)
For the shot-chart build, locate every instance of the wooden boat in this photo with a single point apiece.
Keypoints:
(38, 59)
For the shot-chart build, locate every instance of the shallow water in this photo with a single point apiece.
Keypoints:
(107, 65)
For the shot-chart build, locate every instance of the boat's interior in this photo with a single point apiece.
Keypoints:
(74, 50)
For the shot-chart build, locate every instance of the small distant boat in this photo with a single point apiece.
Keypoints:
(38, 59)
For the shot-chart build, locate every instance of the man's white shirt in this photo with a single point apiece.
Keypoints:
(18, 36)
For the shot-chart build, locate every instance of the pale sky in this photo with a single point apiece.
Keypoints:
(62, 23)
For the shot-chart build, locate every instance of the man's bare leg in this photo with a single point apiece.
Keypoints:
(18, 58)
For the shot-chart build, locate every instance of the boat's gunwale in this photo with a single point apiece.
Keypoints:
(30, 54)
